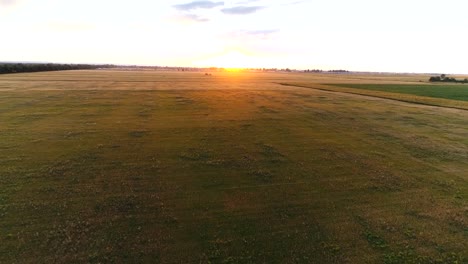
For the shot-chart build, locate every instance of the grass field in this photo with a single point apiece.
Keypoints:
(130, 167)
(453, 92)
(455, 97)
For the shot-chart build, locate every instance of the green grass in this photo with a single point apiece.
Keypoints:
(384, 94)
(231, 169)
(453, 92)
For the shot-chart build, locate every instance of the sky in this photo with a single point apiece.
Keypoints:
(357, 35)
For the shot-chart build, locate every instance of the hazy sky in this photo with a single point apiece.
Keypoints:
(366, 35)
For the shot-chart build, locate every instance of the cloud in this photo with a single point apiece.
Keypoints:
(189, 19)
(195, 18)
(246, 2)
(263, 32)
(69, 26)
(193, 5)
(7, 2)
(241, 10)
(252, 34)
(296, 2)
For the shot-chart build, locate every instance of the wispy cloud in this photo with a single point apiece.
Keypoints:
(296, 2)
(194, 5)
(246, 2)
(263, 32)
(189, 19)
(195, 18)
(69, 26)
(7, 2)
(252, 34)
(241, 10)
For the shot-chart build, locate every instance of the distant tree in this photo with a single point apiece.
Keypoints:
(444, 78)
(38, 67)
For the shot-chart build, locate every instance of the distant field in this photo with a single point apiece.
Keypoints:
(452, 92)
(435, 95)
(165, 167)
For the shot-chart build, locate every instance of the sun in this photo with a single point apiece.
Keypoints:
(231, 61)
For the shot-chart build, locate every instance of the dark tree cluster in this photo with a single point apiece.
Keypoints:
(444, 78)
(330, 71)
(40, 67)
(338, 71)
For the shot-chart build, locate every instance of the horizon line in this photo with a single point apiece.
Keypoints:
(242, 68)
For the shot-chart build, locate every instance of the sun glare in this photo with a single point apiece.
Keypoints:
(231, 61)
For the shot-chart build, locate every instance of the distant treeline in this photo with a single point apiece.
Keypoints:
(331, 71)
(40, 67)
(444, 78)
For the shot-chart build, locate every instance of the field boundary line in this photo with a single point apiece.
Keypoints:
(412, 99)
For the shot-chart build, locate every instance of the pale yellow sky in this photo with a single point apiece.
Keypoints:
(361, 35)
